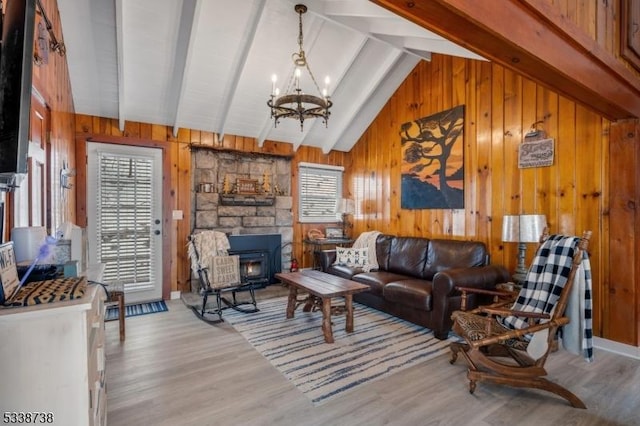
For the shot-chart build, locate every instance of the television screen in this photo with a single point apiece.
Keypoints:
(16, 65)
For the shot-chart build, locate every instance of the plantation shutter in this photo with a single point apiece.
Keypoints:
(320, 188)
(124, 220)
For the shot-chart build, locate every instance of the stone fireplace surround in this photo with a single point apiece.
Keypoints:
(212, 166)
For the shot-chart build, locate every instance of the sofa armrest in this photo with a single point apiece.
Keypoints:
(326, 258)
(445, 297)
(483, 277)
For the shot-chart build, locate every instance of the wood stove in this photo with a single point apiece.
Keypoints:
(260, 257)
(254, 267)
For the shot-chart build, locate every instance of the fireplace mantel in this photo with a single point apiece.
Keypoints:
(247, 200)
(196, 146)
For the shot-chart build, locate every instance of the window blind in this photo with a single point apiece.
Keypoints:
(320, 188)
(124, 220)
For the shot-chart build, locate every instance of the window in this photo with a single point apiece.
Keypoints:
(320, 188)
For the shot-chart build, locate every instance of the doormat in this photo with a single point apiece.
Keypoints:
(135, 310)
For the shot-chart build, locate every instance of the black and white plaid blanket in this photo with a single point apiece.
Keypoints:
(545, 280)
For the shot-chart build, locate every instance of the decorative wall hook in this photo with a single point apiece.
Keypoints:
(535, 132)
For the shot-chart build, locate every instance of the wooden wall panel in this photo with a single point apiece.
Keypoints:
(572, 192)
(497, 173)
(593, 183)
(620, 321)
(180, 180)
(51, 81)
(500, 108)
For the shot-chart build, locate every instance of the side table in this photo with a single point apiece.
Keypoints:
(319, 244)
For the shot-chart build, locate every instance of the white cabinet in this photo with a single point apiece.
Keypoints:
(52, 360)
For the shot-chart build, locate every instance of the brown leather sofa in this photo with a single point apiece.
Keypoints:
(417, 277)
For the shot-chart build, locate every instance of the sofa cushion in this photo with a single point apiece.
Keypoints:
(408, 256)
(376, 280)
(383, 248)
(415, 293)
(448, 254)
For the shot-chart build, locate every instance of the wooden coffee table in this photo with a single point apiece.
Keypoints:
(324, 287)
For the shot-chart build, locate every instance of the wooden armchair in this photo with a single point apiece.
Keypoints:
(217, 273)
(509, 341)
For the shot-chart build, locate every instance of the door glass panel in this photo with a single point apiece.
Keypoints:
(124, 217)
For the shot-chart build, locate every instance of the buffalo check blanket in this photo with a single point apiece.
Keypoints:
(545, 280)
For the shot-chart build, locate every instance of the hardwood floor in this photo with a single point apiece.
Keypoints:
(174, 369)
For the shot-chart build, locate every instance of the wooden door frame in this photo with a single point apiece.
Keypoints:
(81, 191)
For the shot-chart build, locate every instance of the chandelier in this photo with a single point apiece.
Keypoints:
(295, 103)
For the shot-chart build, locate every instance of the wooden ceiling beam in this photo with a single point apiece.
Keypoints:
(534, 39)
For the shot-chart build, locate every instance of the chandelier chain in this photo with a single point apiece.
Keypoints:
(313, 79)
(302, 55)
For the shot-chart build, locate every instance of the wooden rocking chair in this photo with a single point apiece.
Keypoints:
(509, 345)
(218, 273)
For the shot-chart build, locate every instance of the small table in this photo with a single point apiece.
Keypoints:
(324, 287)
(319, 244)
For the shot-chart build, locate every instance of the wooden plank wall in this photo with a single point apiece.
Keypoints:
(593, 183)
(181, 186)
(621, 295)
(500, 108)
(52, 82)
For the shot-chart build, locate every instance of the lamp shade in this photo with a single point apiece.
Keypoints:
(524, 228)
(27, 241)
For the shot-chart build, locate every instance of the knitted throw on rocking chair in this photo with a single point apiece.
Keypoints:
(540, 292)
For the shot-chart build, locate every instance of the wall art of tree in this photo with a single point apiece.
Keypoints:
(432, 161)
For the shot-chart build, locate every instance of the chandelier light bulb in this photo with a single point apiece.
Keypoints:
(298, 73)
(274, 79)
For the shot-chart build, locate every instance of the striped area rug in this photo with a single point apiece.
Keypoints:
(135, 310)
(379, 346)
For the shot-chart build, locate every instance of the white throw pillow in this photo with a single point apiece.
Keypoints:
(348, 256)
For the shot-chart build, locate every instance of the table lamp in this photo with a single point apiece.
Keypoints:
(346, 206)
(522, 229)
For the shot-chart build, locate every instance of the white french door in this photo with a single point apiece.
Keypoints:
(124, 209)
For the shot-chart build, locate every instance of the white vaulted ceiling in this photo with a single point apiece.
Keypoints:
(207, 64)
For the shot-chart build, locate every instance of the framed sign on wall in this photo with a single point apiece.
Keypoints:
(247, 186)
